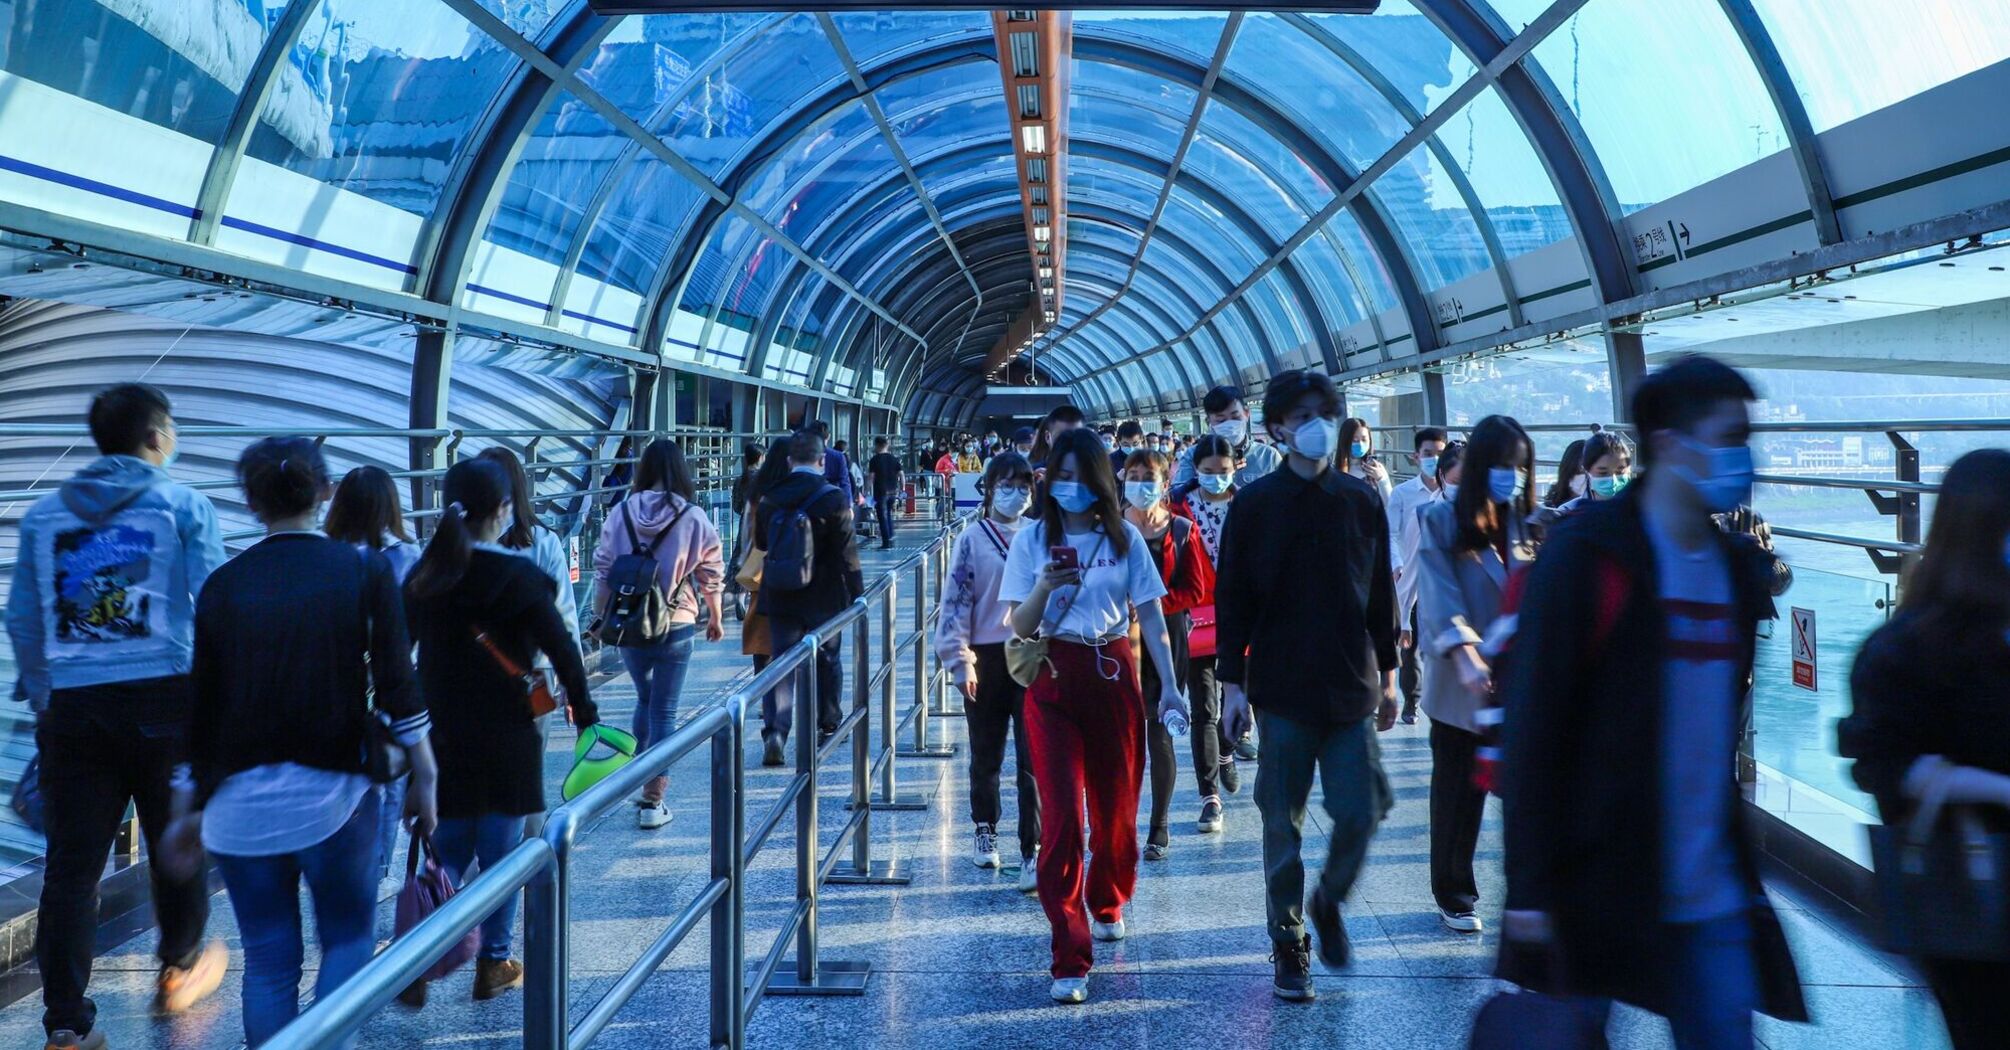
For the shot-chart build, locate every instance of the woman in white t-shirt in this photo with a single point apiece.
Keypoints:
(1085, 716)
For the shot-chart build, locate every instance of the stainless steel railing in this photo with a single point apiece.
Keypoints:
(542, 868)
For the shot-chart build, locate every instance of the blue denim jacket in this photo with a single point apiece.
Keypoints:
(106, 577)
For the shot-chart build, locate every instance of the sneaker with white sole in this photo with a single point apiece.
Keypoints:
(984, 853)
(1107, 931)
(1029, 874)
(1071, 990)
(64, 1039)
(1461, 921)
(1210, 815)
(652, 815)
(177, 988)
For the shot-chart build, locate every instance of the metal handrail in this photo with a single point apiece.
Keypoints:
(541, 867)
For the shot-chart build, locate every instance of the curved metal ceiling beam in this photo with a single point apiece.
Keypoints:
(228, 156)
(1772, 69)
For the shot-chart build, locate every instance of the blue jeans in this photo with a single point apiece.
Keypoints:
(658, 674)
(461, 841)
(390, 823)
(884, 506)
(265, 894)
(1713, 983)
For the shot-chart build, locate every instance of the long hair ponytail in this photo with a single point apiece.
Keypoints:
(475, 490)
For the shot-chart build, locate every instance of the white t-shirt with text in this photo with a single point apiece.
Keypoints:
(1111, 582)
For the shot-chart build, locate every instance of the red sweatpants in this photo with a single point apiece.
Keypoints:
(1087, 735)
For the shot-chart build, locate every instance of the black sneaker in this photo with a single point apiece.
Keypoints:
(1245, 748)
(1230, 774)
(1334, 950)
(771, 751)
(1291, 970)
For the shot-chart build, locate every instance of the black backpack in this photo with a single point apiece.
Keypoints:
(791, 558)
(638, 607)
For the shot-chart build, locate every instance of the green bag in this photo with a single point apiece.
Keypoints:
(601, 750)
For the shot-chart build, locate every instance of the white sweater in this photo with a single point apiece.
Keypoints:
(972, 615)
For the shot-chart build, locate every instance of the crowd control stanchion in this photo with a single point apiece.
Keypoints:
(924, 684)
(890, 796)
(863, 870)
(810, 975)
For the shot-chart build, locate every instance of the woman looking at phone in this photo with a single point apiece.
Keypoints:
(1072, 578)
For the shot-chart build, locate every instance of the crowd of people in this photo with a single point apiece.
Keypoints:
(1583, 651)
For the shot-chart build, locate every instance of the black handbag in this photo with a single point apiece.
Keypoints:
(384, 759)
(1941, 883)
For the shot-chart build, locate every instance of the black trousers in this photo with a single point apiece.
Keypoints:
(1456, 808)
(778, 708)
(1000, 706)
(102, 747)
(1158, 740)
(883, 506)
(1206, 740)
(1409, 676)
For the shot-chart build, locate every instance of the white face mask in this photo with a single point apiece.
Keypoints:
(1315, 438)
(1577, 485)
(1233, 431)
(1216, 484)
(1011, 502)
(1144, 494)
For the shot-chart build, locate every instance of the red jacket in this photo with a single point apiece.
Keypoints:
(1186, 567)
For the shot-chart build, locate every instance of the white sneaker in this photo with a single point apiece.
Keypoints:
(1071, 989)
(985, 855)
(1029, 874)
(1210, 815)
(1107, 931)
(651, 816)
(1461, 921)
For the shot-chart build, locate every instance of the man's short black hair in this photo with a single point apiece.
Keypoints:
(1427, 434)
(819, 428)
(881, 443)
(1288, 388)
(806, 448)
(1677, 395)
(1220, 398)
(1022, 436)
(1130, 428)
(122, 416)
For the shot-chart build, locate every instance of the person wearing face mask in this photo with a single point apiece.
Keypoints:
(1570, 479)
(1607, 461)
(477, 611)
(1922, 728)
(1130, 438)
(1205, 501)
(1228, 419)
(1022, 442)
(1469, 550)
(1630, 871)
(1187, 568)
(1076, 578)
(967, 461)
(108, 680)
(1406, 504)
(970, 640)
(1307, 632)
(1357, 456)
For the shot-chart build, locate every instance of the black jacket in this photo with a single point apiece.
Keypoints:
(1910, 701)
(490, 752)
(1303, 582)
(1581, 783)
(837, 580)
(281, 632)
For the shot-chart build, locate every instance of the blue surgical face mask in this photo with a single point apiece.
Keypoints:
(1505, 483)
(1357, 450)
(1011, 501)
(1428, 466)
(1233, 431)
(1144, 494)
(1726, 481)
(1315, 438)
(1609, 486)
(1073, 496)
(1216, 484)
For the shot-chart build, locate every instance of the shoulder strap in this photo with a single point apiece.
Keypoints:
(503, 660)
(991, 533)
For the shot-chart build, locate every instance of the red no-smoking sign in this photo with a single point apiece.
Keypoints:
(1804, 648)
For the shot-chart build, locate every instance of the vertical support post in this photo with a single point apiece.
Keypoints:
(924, 683)
(863, 869)
(811, 976)
(545, 935)
(1437, 412)
(1626, 363)
(727, 968)
(1910, 529)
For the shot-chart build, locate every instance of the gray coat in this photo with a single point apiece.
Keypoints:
(1459, 595)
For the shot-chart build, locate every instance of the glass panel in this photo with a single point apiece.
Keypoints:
(1345, 230)
(792, 62)
(1180, 271)
(838, 184)
(1300, 75)
(1505, 172)
(1912, 45)
(1193, 35)
(1432, 218)
(1320, 265)
(955, 106)
(1406, 47)
(873, 36)
(1209, 232)
(527, 17)
(572, 150)
(1120, 121)
(1699, 113)
(1549, 386)
(1295, 173)
(145, 58)
(647, 61)
(1794, 727)
(393, 89)
(1251, 190)
(1243, 343)
(771, 186)
(1283, 314)
(640, 227)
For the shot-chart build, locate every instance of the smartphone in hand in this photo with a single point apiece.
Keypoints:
(1065, 557)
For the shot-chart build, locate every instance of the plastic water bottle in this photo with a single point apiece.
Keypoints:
(1175, 723)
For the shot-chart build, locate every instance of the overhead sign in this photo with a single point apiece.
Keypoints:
(1804, 648)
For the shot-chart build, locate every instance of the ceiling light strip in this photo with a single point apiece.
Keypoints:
(1034, 49)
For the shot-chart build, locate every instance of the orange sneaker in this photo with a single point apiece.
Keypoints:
(180, 987)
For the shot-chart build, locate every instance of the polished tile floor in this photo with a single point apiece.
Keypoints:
(959, 958)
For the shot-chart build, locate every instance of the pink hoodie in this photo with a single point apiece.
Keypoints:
(690, 549)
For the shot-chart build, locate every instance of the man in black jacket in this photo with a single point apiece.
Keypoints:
(1304, 588)
(836, 581)
(888, 484)
(1629, 867)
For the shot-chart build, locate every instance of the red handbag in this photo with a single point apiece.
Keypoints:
(1200, 643)
(426, 891)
